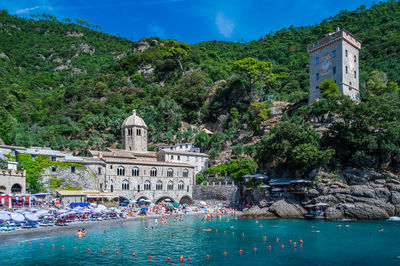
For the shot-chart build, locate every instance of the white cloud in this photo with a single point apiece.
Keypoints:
(225, 25)
(26, 10)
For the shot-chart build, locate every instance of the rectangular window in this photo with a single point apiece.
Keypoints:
(346, 52)
(334, 70)
(317, 60)
(180, 146)
(138, 132)
(346, 70)
(33, 157)
(355, 74)
(53, 169)
(53, 158)
(179, 157)
(172, 157)
(334, 53)
(13, 153)
(355, 58)
(73, 169)
(317, 76)
(99, 171)
(110, 166)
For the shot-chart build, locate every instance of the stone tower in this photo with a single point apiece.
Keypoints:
(134, 134)
(335, 56)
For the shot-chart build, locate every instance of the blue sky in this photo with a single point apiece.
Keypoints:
(188, 20)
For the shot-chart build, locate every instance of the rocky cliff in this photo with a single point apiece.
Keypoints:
(356, 194)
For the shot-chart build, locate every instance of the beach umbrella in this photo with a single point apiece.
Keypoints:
(31, 217)
(170, 206)
(4, 217)
(17, 217)
(175, 204)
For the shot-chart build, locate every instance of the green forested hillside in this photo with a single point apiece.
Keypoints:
(68, 86)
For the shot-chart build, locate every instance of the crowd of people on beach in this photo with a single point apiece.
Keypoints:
(15, 219)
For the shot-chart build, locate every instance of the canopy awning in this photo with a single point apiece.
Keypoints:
(79, 204)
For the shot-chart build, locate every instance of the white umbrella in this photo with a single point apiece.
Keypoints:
(17, 217)
(4, 217)
(101, 207)
(31, 217)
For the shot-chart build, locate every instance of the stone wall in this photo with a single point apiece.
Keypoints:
(220, 192)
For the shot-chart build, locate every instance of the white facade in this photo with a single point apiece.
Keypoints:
(198, 160)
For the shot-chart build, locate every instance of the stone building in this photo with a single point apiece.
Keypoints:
(134, 173)
(335, 56)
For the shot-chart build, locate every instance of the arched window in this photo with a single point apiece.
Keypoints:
(185, 173)
(16, 188)
(125, 185)
(170, 172)
(170, 185)
(181, 185)
(135, 171)
(147, 185)
(153, 172)
(120, 170)
(159, 185)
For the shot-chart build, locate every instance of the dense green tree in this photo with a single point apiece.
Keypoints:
(329, 89)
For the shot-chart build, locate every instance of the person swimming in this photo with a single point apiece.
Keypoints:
(145, 228)
(381, 230)
(83, 231)
(79, 233)
(346, 225)
(231, 226)
(339, 225)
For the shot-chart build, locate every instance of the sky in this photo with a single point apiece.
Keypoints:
(189, 21)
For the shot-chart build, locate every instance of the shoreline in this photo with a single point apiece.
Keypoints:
(44, 232)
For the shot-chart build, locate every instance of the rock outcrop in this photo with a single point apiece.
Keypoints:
(356, 194)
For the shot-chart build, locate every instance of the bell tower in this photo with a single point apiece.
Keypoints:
(134, 134)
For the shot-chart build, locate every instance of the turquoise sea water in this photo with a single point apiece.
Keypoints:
(359, 244)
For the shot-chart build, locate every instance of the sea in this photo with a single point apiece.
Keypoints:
(229, 242)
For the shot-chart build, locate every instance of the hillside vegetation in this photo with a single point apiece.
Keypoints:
(68, 86)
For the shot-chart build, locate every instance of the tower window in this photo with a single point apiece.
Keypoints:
(347, 70)
(159, 185)
(129, 131)
(181, 185)
(170, 172)
(99, 171)
(346, 52)
(135, 171)
(138, 132)
(317, 60)
(170, 185)
(120, 171)
(355, 58)
(125, 185)
(317, 76)
(112, 188)
(355, 74)
(334, 70)
(185, 173)
(334, 53)
(147, 185)
(153, 172)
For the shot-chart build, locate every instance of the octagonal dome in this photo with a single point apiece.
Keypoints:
(134, 121)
